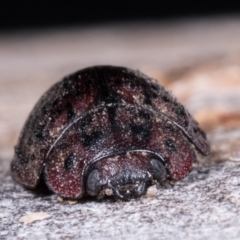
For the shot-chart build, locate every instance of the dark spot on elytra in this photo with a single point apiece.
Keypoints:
(67, 83)
(142, 131)
(87, 84)
(70, 162)
(144, 115)
(77, 91)
(113, 98)
(147, 98)
(155, 88)
(154, 95)
(30, 141)
(118, 81)
(175, 103)
(111, 114)
(88, 139)
(180, 111)
(55, 102)
(195, 129)
(59, 111)
(70, 111)
(17, 150)
(171, 145)
(18, 153)
(14, 167)
(44, 110)
(24, 160)
(21, 157)
(170, 128)
(116, 127)
(39, 132)
(142, 84)
(106, 93)
(42, 152)
(132, 84)
(85, 121)
(33, 157)
(186, 123)
(165, 98)
(63, 146)
(91, 139)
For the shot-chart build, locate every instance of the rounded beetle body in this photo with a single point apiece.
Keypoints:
(104, 128)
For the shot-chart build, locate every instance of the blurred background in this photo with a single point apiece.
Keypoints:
(35, 14)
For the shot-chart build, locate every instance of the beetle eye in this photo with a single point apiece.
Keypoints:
(93, 187)
(159, 170)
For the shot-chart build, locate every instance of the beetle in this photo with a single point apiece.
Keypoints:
(106, 129)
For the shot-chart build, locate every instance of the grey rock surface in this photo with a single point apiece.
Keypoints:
(204, 205)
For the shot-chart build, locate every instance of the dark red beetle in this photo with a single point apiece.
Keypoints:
(105, 128)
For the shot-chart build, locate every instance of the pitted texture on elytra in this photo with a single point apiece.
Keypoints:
(97, 112)
(110, 142)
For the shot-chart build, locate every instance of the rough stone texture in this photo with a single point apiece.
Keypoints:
(198, 61)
